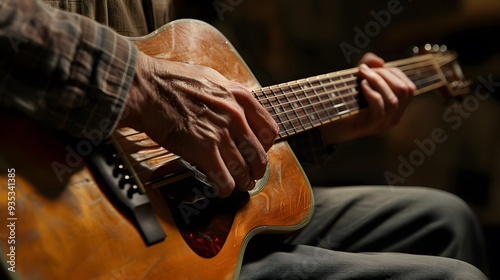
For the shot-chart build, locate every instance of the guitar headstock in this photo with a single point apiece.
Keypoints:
(455, 82)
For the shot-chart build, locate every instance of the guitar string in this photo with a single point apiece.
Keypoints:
(278, 109)
(281, 111)
(284, 119)
(278, 96)
(423, 59)
(341, 80)
(160, 162)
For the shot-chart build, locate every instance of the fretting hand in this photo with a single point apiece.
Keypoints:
(388, 91)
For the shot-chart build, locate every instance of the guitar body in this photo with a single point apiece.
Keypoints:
(70, 227)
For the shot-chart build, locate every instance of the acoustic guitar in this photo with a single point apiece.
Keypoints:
(125, 208)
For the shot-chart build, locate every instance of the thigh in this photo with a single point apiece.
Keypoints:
(394, 219)
(307, 262)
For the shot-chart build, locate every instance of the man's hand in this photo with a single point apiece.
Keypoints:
(388, 91)
(211, 122)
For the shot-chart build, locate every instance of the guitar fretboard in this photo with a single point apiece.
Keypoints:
(307, 103)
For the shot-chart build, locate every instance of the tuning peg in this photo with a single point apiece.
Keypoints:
(430, 48)
(415, 50)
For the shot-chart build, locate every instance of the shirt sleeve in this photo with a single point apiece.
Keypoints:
(63, 69)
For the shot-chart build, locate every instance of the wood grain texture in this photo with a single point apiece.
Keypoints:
(70, 229)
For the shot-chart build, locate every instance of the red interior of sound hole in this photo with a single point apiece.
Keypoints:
(205, 225)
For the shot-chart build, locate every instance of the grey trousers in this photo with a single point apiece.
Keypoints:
(375, 233)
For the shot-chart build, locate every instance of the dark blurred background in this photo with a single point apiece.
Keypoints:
(286, 40)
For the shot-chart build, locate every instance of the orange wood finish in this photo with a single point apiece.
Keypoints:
(70, 229)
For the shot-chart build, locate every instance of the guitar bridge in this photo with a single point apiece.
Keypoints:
(126, 190)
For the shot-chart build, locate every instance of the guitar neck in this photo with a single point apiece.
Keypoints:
(304, 104)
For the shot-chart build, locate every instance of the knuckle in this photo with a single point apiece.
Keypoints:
(412, 87)
(275, 129)
(378, 100)
(261, 166)
(224, 187)
(393, 103)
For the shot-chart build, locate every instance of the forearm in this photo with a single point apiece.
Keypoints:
(61, 68)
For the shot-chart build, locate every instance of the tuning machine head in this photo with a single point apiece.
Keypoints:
(429, 48)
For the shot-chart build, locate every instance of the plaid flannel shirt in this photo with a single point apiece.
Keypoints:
(62, 68)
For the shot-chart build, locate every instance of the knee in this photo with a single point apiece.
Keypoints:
(444, 206)
(460, 270)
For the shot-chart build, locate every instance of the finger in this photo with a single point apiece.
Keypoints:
(261, 123)
(380, 85)
(253, 153)
(405, 92)
(218, 174)
(402, 87)
(399, 83)
(372, 60)
(374, 99)
(238, 166)
(410, 86)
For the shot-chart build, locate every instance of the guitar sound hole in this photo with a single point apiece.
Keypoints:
(204, 224)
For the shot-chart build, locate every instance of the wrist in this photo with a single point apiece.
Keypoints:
(139, 93)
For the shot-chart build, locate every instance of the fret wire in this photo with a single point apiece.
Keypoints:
(291, 109)
(336, 106)
(333, 99)
(331, 94)
(346, 110)
(277, 110)
(352, 79)
(285, 111)
(408, 65)
(340, 115)
(351, 95)
(293, 105)
(314, 118)
(318, 95)
(334, 83)
(306, 113)
(342, 95)
(348, 96)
